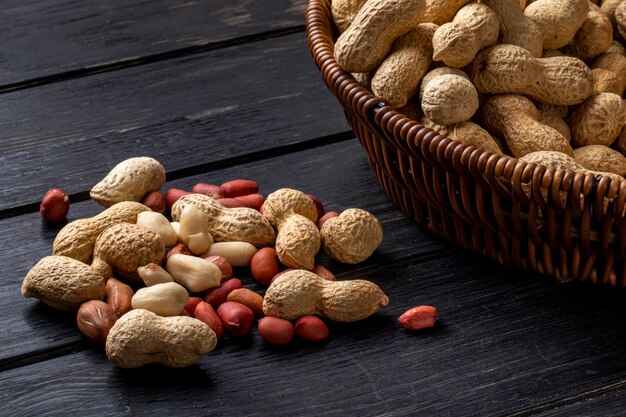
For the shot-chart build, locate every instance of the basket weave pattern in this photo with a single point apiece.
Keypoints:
(556, 222)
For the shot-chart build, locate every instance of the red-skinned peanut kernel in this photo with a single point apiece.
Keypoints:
(218, 295)
(420, 317)
(264, 265)
(280, 273)
(237, 188)
(325, 217)
(254, 201)
(249, 298)
(224, 266)
(236, 318)
(173, 194)
(54, 206)
(229, 202)
(311, 329)
(318, 205)
(206, 314)
(275, 331)
(322, 272)
(192, 303)
(211, 190)
(185, 313)
(155, 200)
(178, 248)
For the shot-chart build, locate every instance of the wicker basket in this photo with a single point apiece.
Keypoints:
(560, 223)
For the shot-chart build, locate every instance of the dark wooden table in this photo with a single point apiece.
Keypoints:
(218, 90)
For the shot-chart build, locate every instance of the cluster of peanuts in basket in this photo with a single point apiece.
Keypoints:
(155, 289)
(538, 80)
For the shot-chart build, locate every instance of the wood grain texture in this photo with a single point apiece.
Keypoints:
(50, 37)
(506, 340)
(187, 112)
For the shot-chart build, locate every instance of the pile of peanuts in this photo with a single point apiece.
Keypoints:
(539, 80)
(153, 276)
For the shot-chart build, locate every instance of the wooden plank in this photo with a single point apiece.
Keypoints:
(70, 134)
(33, 327)
(504, 343)
(507, 339)
(45, 38)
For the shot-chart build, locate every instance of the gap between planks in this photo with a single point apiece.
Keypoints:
(148, 59)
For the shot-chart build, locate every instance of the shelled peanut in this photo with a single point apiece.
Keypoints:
(496, 65)
(130, 272)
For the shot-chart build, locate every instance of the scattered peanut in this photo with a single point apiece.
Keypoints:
(159, 224)
(275, 331)
(294, 214)
(311, 329)
(77, 239)
(249, 298)
(95, 319)
(264, 265)
(236, 318)
(416, 318)
(124, 247)
(218, 295)
(236, 253)
(236, 224)
(195, 274)
(153, 273)
(141, 337)
(193, 230)
(155, 201)
(300, 293)
(54, 206)
(119, 296)
(352, 236)
(63, 283)
(206, 314)
(130, 180)
(240, 187)
(166, 299)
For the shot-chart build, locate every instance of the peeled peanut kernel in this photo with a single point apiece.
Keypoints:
(224, 266)
(158, 223)
(176, 227)
(236, 253)
(193, 230)
(152, 274)
(195, 274)
(166, 299)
